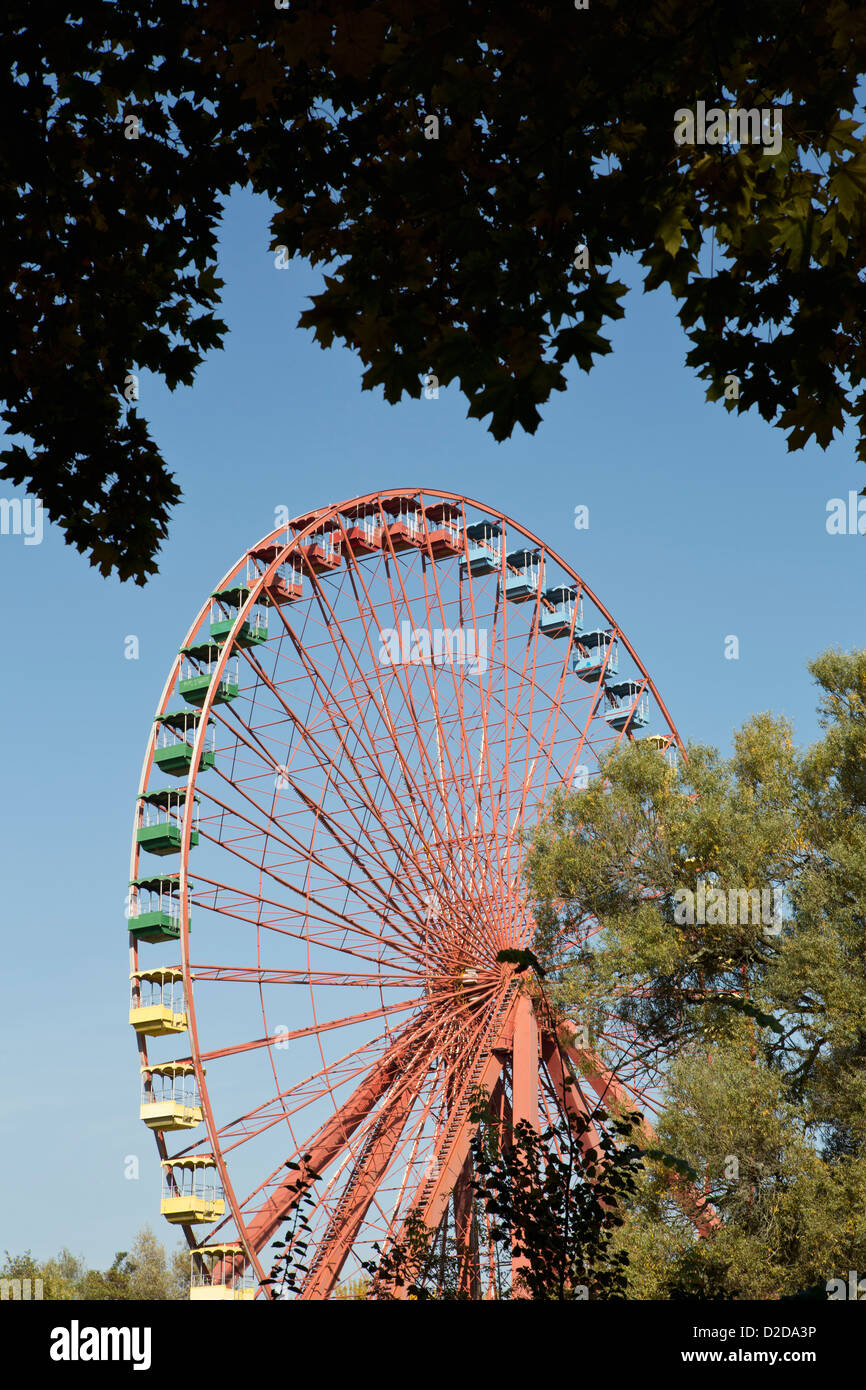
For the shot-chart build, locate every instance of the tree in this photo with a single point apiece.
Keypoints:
(467, 176)
(551, 1204)
(757, 1026)
(141, 1273)
(557, 1207)
(149, 1274)
(42, 1279)
(112, 1285)
(355, 1290)
(109, 252)
(290, 1267)
(179, 1273)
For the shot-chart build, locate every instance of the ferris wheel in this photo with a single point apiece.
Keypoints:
(363, 722)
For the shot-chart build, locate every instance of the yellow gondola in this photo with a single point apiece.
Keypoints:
(220, 1272)
(157, 1006)
(169, 1096)
(191, 1190)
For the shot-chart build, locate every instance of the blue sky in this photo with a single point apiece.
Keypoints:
(702, 526)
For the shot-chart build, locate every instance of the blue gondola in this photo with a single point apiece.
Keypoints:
(524, 575)
(587, 663)
(555, 621)
(625, 713)
(483, 548)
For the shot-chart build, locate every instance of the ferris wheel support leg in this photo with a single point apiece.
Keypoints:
(525, 1063)
(570, 1096)
(524, 1098)
(453, 1149)
(325, 1145)
(469, 1276)
(500, 1109)
(617, 1100)
(364, 1183)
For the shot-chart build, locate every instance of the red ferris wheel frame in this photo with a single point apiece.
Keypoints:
(506, 1035)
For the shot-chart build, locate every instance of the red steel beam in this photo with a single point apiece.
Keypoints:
(524, 1099)
(615, 1097)
(569, 1094)
(324, 1147)
(469, 1271)
(525, 1065)
(457, 1136)
(364, 1183)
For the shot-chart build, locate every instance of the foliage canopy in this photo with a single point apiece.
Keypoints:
(454, 255)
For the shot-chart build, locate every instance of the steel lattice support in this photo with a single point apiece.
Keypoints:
(361, 1191)
(615, 1097)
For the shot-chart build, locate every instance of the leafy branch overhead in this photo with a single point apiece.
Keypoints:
(456, 254)
(522, 960)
